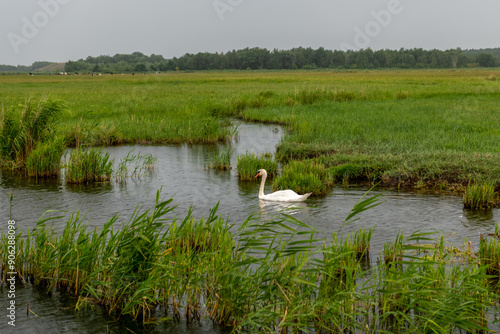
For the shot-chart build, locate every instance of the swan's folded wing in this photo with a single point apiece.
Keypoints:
(285, 196)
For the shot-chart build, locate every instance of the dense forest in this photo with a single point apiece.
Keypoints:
(297, 58)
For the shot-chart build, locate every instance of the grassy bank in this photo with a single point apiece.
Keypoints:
(419, 129)
(269, 276)
(304, 177)
(438, 142)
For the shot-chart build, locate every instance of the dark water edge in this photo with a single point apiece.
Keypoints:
(180, 173)
(55, 313)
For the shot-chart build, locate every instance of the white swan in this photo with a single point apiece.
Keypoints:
(281, 195)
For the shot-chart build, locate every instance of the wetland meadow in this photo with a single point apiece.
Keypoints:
(136, 206)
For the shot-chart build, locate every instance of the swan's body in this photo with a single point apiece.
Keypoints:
(281, 195)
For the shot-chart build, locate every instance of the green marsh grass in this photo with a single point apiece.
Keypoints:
(374, 119)
(221, 160)
(393, 252)
(88, 165)
(348, 172)
(438, 129)
(307, 97)
(45, 160)
(249, 164)
(24, 126)
(423, 293)
(389, 134)
(338, 295)
(489, 254)
(479, 196)
(306, 176)
(362, 243)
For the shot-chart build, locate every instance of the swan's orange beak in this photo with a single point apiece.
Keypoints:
(256, 176)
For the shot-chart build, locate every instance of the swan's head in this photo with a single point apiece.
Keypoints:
(261, 172)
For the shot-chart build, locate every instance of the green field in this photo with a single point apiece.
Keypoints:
(415, 129)
(421, 129)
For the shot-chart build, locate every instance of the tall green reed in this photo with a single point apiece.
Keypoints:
(22, 128)
(430, 293)
(134, 165)
(272, 276)
(489, 253)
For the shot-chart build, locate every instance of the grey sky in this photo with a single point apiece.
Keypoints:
(72, 29)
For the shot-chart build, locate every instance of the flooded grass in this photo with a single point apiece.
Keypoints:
(221, 160)
(268, 276)
(479, 197)
(134, 165)
(88, 166)
(249, 164)
(45, 160)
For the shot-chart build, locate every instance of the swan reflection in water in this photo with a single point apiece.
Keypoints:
(289, 208)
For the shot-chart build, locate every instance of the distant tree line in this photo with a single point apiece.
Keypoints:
(297, 58)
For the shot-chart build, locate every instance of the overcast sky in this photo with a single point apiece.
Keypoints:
(61, 30)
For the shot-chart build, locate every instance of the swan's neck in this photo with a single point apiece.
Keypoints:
(262, 183)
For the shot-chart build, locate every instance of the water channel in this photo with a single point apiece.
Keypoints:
(180, 173)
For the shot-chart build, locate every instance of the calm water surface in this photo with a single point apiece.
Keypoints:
(180, 173)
